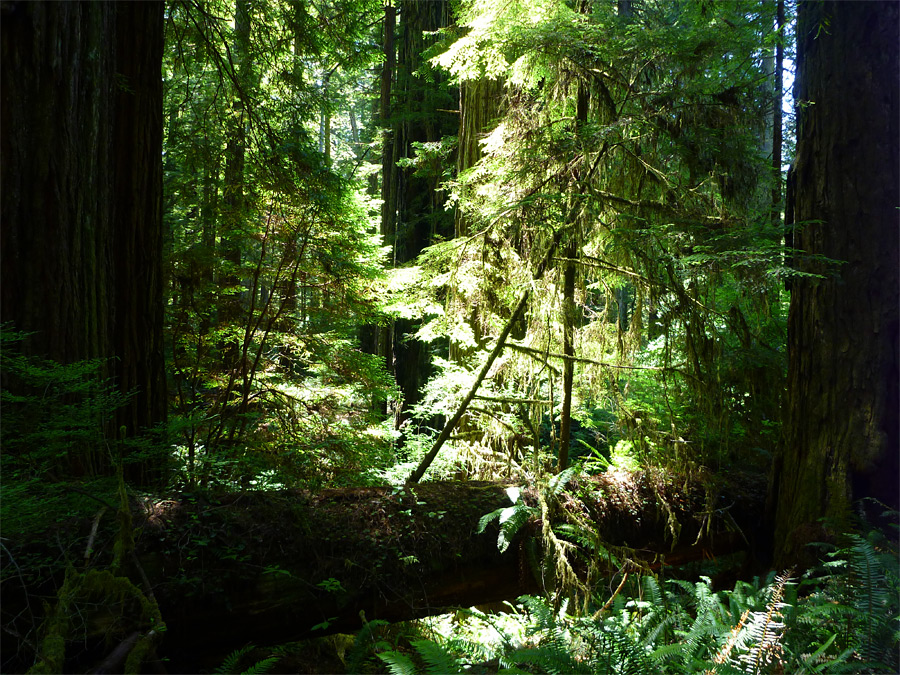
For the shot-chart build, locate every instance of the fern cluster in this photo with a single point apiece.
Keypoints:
(840, 618)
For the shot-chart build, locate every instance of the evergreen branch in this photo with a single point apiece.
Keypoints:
(580, 359)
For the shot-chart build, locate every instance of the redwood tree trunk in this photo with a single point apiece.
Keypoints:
(841, 437)
(137, 255)
(81, 188)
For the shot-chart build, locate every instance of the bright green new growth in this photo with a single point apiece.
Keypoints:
(641, 138)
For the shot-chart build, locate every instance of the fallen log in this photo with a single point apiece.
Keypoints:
(273, 567)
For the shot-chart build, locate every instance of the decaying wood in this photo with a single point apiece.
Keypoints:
(274, 567)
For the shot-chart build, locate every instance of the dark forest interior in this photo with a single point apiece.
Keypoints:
(450, 336)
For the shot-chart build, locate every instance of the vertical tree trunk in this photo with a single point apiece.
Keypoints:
(412, 212)
(565, 418)
(233, 193)
(841, 437)
(58, 69)
(570, 254)
(388, 163)
(138, 244)
(81, 194)
(384, 335)
(777, 116)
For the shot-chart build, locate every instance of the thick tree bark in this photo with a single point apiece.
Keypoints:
(81, 188)
(57, 148)
(841, 436)
(137, 255)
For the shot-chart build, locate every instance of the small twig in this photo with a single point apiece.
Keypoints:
(75, 488)
(22, 639)
(611, 598)
(503, 399)
(148, 589)
(24, 589)
(89, 549)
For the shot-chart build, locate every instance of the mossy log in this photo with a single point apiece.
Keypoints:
(275, 567)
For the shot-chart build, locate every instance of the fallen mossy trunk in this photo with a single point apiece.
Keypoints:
(272, 567)
(275, 567)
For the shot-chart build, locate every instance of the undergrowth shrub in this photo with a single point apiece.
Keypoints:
(842, 617)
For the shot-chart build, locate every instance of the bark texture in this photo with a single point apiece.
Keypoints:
(269, 567)
(138, 275)
(396, 555)
(81, 190)
(57, 115)
(841, 437)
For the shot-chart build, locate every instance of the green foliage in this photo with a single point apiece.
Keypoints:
(232, 663)
(857, 599)
(641, 139)
(511, 518)
(438, 659)
(366, 641)
(273, 264)
(55, 416)
(840, 617)
(399, 664)
(676, 626)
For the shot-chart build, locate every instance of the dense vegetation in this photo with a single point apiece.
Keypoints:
(347, 244)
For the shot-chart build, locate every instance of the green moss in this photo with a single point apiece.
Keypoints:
(839, 511)
(52, 652)
(138, 653)
(103, 587)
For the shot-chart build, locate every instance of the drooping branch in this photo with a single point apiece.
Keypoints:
(545, 262)
(581, 359)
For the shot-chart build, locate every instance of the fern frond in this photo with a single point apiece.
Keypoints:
(550, 659)
(232, 661)
(439, 659)
(708, 623)
(620, 653)
(262, 667)
(398, 664)
(765, 631)
(667, 652)
(869, 594)
(511, 521)
(486, 519)
(362, 645)
(558, 482)
(652, 589)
